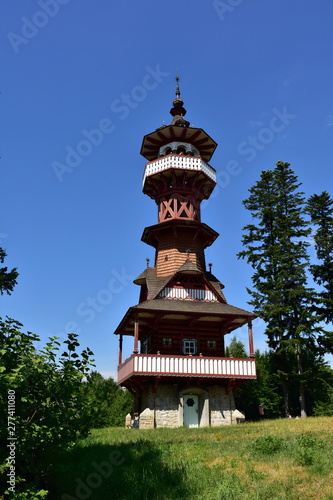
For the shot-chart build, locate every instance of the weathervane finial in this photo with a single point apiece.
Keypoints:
(178, 111)
(177, 86)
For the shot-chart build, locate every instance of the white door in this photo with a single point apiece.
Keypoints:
(191, 410)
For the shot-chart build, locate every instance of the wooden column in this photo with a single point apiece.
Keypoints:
(251, 347)
(120, 353)
(136, 335)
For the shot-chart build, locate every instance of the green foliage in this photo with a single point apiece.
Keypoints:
(323, 405)
(264, 390)
(236, 349)
(276, 248)
(7, 278)
(49, 409)
(109, 404)
(320, 209)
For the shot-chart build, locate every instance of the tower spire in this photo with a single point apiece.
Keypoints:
(178, 111)
(177, 87)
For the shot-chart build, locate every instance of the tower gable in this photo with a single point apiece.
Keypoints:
(188, 288)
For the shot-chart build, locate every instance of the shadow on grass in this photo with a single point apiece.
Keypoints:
(132, 471)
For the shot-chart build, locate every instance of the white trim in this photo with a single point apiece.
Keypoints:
(188, 293)
(178, 162)
(184, 365)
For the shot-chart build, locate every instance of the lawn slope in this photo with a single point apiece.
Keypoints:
(272, 459)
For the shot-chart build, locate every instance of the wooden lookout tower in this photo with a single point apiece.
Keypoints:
(178, 371)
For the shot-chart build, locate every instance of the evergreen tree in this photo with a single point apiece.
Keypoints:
(262, 391)
(7, 278)
(236, 349)
(276, 247)
(320, 209)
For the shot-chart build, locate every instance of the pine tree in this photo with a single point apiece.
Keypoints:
(276, 247)
(320, 209)
(7, 278)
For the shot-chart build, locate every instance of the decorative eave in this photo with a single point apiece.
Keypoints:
(151, 234)
(229, 316)
(198, 137)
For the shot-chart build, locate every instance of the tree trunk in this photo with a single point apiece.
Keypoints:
(285, 398)
(301, 383)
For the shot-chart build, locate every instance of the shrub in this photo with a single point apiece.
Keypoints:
(41, 395)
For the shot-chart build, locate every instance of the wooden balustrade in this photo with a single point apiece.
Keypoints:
(186, 366)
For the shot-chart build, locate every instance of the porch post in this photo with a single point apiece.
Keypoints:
(136, 335)
(120, 353)
(251, 347)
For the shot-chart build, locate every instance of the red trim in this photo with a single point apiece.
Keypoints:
(185, 375)
(187, 356)
(251, 346)
(161, 136)
(153, 141)
(183, 134)
(120, 354)
(136, 336)
(195, 135)
(193, 375)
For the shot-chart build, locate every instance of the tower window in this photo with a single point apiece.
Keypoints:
(189, 346)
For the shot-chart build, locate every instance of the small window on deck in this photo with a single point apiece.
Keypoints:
(189, 346)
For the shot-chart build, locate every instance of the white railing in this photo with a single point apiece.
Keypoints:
(185, 293)
(185, 366)
(179, 162)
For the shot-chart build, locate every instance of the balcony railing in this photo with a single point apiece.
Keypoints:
(178, 162)
(186, 366)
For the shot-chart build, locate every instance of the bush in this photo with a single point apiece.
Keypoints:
(108, 402)
(41, 395)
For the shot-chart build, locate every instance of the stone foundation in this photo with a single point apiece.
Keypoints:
(222, 407)
(164, 408)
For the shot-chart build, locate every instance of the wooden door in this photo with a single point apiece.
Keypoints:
(191, 410)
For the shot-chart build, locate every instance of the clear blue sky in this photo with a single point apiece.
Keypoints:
(256, 76)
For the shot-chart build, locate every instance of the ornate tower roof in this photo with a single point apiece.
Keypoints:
(178, 131)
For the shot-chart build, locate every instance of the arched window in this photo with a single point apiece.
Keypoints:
(181, 150)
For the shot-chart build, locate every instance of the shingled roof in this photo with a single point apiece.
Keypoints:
(193, 306)
(181, 308)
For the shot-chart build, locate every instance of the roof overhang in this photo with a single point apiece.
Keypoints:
(199, 138)
(227, 317)
(152, 234)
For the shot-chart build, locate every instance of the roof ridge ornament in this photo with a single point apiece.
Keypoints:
(178, 111)
(177, 87)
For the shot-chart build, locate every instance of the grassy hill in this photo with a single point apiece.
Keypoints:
(280, 459)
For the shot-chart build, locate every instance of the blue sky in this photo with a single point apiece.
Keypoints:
(83, 82)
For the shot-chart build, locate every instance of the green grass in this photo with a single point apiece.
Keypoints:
(279, 459)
